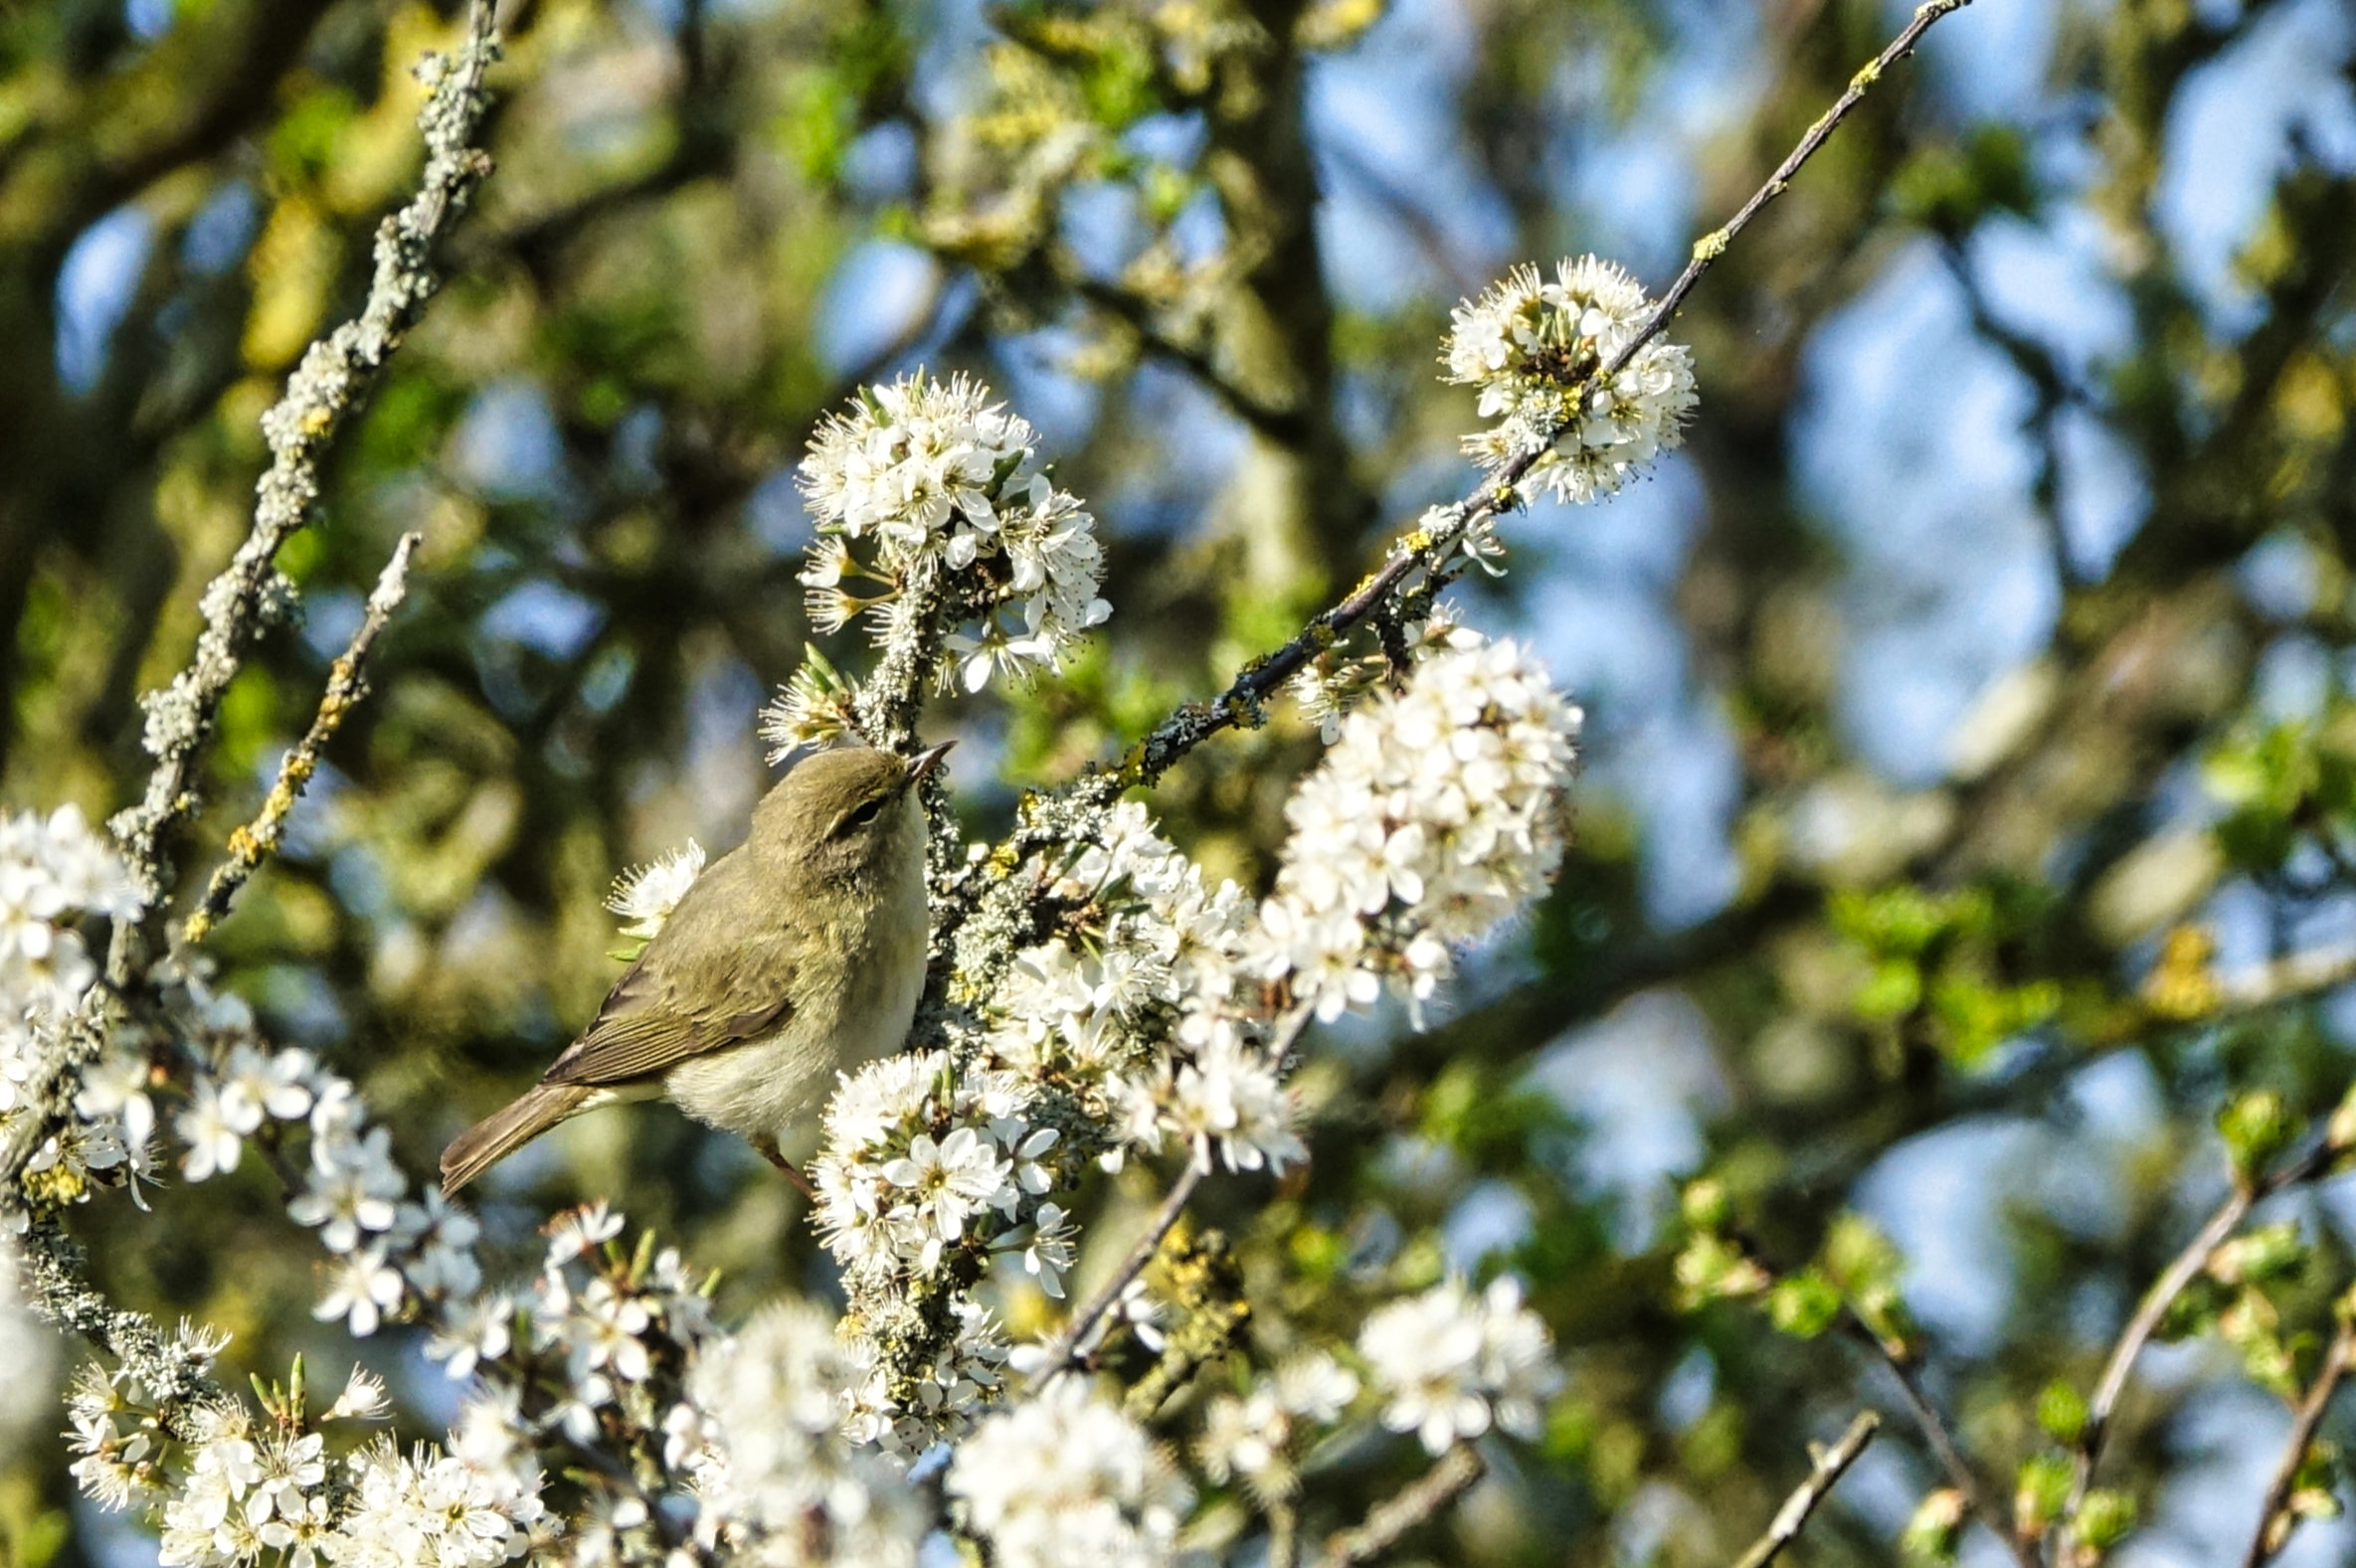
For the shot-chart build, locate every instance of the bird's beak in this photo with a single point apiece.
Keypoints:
(926, 761)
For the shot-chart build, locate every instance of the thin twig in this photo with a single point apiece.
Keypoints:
(1069, 1345)
(1828, 1466)
(2337, 1356)
(2180, 1272)
(1944, 1446)
(1388, 1522)
(1066, 1347)
(347, 684)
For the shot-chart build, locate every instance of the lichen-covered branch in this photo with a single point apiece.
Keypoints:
(347, 685)
(58, 1289)
(329, 387)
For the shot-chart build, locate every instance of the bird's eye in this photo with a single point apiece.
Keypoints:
(861, 815)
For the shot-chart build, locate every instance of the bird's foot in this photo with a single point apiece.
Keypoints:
(767, 1150)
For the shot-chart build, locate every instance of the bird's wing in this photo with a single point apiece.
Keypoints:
(699, 988)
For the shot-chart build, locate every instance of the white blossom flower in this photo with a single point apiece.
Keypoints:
(1434, 817)
(363, 1397)
(361, 1288)
(779, 1483)
(214, 1143)
(256, 1084)
(577, 1231)
(1450, 1364)
(1536, 350)
(472, 1329)
(1049, 1254)
(1065, 1479)
(442, 1235)
(114, 1086)
(1316, 1387)
(608, 1324)
(354, 1190)
(645, 896)
(1247, 1438)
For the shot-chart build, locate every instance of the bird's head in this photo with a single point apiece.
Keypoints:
(845, 812)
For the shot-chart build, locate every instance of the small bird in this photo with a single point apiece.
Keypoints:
(796, 955)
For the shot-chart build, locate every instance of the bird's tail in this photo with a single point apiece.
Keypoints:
(494, 1137)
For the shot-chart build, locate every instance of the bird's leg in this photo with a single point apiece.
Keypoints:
(767, 1150)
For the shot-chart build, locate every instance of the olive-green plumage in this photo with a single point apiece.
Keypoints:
(796, 955)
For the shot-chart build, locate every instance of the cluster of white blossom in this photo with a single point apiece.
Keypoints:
(1449, 1364)
(935, 478)
(54, 870)
(384, 1245)
(589, 1356)
(1218, 1089)
(1256, 1438)
(1436, 815)
(1152, 937)
(233, 1488)
(1065, 1477)
(430, 1507)
(925, 1163)
(1534, 349)
(941, 1399)
(776, 1480)
(918, 1160)
(623, 1327)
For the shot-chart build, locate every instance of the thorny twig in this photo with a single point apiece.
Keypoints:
(1389, 1520)
(2171, 1284)
(347, 684)
(1827, 1467)
(1066, 1347)
(2312, 1403)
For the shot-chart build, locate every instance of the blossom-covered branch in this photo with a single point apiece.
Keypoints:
(1105, 1001)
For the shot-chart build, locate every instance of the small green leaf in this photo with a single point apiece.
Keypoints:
(2062, 1411)
(1803, 1305)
